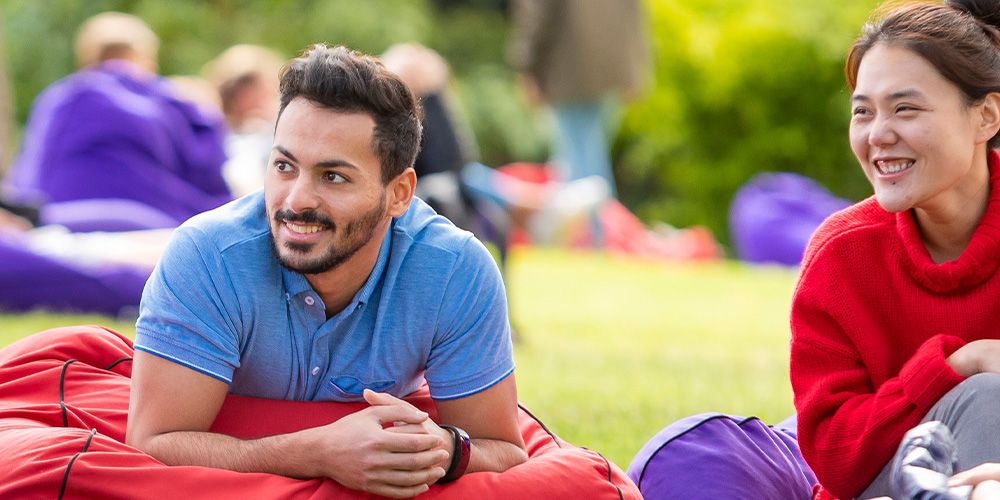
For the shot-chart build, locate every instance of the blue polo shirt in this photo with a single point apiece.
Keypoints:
(433, 309)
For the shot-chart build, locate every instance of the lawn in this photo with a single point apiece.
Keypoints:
(613, 349)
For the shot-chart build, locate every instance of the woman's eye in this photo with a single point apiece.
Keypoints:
(859, 111)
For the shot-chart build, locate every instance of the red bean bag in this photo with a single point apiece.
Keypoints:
(64, 402)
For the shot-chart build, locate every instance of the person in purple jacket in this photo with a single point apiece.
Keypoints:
(114, 131)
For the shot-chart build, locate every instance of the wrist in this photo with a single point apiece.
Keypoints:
(963, 361)
(461, 452)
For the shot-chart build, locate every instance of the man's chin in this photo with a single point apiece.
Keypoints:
(304, 264)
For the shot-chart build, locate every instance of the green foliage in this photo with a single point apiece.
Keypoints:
(740, 88)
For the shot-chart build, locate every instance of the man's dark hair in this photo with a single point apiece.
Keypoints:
(348, 81)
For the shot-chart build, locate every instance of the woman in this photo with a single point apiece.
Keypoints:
(896, 313)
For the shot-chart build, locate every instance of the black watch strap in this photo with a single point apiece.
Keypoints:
(459, 456)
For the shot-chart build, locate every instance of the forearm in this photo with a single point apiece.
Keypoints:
(492, 455)
(274, 454)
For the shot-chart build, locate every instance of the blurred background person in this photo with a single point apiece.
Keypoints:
(580, 57)
(116, 140)
(246, 80)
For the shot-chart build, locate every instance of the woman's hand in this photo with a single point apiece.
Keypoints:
(979, 356)
(984, 477)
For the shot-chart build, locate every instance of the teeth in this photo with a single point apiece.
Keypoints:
(893, 167)
(301, 229)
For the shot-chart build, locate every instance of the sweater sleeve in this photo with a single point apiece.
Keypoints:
(849, 428)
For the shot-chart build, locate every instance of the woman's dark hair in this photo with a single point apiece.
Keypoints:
(960, 38)
(344, 80)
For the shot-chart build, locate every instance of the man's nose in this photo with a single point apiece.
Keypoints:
(302, 195)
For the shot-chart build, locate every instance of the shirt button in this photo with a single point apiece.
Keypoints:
(315, 371)
(310, 301)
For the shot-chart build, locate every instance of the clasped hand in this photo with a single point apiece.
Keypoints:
(390, 448)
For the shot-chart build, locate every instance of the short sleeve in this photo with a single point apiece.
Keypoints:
(189, 311)
(472, 349)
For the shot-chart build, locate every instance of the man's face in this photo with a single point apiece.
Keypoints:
(323, 189)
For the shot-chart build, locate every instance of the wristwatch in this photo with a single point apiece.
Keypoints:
(459, 456)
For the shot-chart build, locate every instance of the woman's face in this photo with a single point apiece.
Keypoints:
(913, 132)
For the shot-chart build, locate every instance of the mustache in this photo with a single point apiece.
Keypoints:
(306, 217)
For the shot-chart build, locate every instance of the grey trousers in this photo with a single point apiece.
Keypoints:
(972, 412)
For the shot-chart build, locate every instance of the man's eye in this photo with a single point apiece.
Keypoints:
(282, 166)
(334, 177)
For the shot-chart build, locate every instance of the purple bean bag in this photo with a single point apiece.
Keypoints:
(32, 281)
(712, 455)
(104, 132)
(773, 216)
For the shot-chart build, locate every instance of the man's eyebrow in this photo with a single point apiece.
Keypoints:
(322, 164)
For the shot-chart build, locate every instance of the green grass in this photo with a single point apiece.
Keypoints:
(612, 350)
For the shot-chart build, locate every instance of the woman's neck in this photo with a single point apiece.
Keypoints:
(946, 227)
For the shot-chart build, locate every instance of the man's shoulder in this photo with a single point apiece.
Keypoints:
(231, 225)
(423, 229)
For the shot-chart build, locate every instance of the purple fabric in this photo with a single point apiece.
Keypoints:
(31, 281)
(773, 216)
(104, 133)
(104, 214)
(712, 455)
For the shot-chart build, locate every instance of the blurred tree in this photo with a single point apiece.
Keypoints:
(740, 88)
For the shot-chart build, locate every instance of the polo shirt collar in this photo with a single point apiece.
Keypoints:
(296, 283)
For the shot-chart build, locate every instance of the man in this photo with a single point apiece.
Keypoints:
(334, 284)
(114, 130)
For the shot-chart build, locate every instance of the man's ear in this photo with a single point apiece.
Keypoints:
(989, 115)
(401, 191)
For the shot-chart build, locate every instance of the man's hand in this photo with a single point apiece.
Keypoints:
(427, 426)
(358, 453)
(979, 356)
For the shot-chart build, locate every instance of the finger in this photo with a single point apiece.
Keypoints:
(408, 478)
(404, 428)
(390, 414)
(976, 475)
(390, 491)
(408, 442)
(381, 398)
(421, 460)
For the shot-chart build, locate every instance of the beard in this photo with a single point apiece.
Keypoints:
(355, 234)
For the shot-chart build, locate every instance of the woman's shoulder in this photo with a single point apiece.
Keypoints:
(852, 228)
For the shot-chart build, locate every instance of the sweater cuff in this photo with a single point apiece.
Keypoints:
(927, 375)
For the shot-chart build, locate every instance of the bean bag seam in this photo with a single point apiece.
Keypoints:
(558, 443)
(62, 391)
(69, 466)
(642, 475)
(608, 467)
(544, 427)
(118, 362)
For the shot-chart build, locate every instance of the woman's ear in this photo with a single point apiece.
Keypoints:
(989, 114)
(401, 191)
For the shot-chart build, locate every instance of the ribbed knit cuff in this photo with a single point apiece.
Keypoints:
(927, 375)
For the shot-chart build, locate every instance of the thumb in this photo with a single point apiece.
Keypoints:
(382, 398)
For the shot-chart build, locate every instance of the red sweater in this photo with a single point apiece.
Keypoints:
(873, 320)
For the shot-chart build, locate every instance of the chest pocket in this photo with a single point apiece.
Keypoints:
(351, 389)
